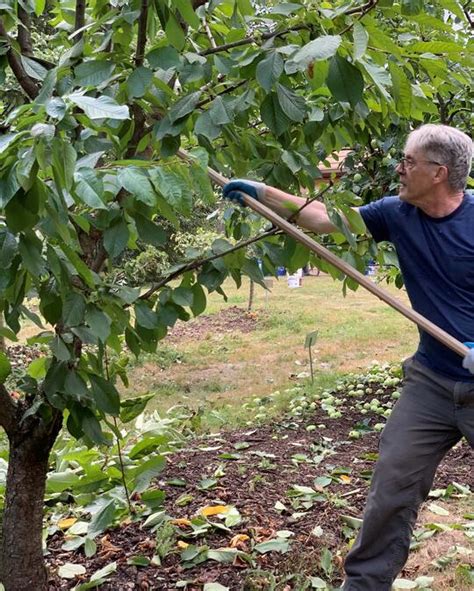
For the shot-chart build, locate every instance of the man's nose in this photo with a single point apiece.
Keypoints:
(400, 169)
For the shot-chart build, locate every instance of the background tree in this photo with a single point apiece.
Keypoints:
(101, 96)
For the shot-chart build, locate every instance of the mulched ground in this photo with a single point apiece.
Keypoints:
(227, 320)
(260, 475)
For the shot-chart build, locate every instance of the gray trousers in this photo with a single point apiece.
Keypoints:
(431, 416)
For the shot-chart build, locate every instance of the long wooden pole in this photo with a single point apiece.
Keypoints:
(435, 331)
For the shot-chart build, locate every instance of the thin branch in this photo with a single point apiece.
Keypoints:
(362, 11)
(212, 41)
(252, 39)
(80, 19)
(200, 262)
(454, 113)
(141, 38)
(466, 9)
(225, 91)
(27, 83)
(24, 32)
(8, 411)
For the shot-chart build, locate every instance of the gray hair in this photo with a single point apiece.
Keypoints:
(448, 146)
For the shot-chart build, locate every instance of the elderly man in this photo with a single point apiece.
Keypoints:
(431, 224)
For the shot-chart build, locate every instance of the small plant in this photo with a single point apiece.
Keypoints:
(310, 340)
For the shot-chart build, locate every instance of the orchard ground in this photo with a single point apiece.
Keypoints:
(267, 486)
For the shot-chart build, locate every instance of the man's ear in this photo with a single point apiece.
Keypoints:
(441, 175)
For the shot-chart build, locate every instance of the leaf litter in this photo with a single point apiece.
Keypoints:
(274, 504)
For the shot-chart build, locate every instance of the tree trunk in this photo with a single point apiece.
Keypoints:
(21, 551)
(251, 295)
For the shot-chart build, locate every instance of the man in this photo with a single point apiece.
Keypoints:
(431, 224)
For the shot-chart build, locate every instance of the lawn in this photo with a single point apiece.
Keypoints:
(210, 361)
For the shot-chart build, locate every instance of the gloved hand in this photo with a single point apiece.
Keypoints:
(468, 361)
(252, 188)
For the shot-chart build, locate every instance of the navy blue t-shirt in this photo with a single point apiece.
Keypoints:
(436, 258)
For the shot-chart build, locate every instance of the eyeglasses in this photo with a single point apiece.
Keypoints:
(408, 163)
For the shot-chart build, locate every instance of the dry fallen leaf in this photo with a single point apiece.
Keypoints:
(214, 510)
(181, 521)
(67, 523)
(239, 540)
(182, 545)
(345, 479)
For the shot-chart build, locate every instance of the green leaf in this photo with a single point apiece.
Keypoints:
(103, 519)
(293, 105)
(281, 545)
(404, 584)
(186, 9)
(74, 308)
(164, 57)
(59, 349)
(70, 570)
(321, 48)
(146, 471)
(345, 81)
(437, 47)
(150, 232)
(89, 188)
(310, 339)
(269, 70)
(184, 106)
(199, 300)
(273, 115)
(116, 238)
(64, 162)
(139, 81)
(205, 126)
(39, 7)
(411, 7)
(183, 296)
(93, 72)
(355, 220)
(92, 429)
(102, 107)
(175, 33)
(37, 368)
(5, 367)
(105, 395)
(99, 322)
(131, 408)
(145, 316)
(135, 182)
(361, 40)
(33, 68)
(30, 248)
(220, 112)
(401, 88)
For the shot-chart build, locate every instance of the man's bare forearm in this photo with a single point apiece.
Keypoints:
(313, 217)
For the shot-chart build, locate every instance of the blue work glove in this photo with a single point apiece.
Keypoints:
(468, 361)
(252, 188)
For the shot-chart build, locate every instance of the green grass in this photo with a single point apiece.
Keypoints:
(218, 374)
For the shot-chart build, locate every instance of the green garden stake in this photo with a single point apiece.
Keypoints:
(310, 340)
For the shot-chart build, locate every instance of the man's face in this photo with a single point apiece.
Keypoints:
(417, 175)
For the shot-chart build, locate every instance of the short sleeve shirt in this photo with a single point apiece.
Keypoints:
(436, 258)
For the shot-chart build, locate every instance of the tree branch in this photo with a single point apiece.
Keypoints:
(362, 11)
(80, 19)
(24, 35)
(8, 411)
(466, 9)
(141, 39)
(252, 39)
(200, 262)
(28, 84)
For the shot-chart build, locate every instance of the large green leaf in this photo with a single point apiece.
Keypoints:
(74, 308)
(410, 7)
(321, 48)
(102, 107)
(345, 81)
(269, 70)
(273, 115)
(139, 81)
(131, 408)
(401, 90)
(89, 188)
(93, 72)
(184, 106)
(30, 248)
(64, 162)
(105, 395)
(116, 238)
(293, 105)
(150, 232)
(361, 39)
(136, 183)
(5, 367)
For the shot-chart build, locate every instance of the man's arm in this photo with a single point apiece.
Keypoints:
(313, 217)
